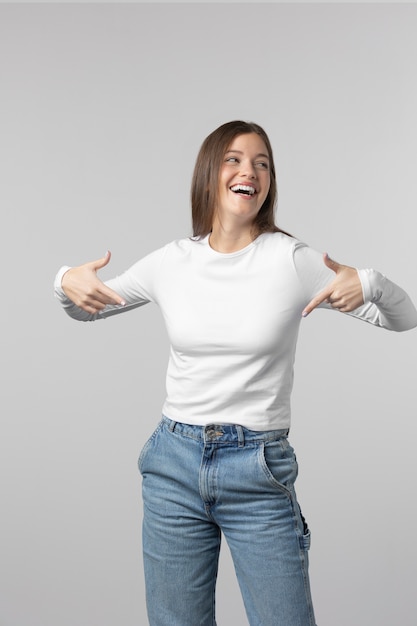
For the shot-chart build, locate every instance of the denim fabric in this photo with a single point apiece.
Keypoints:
(200, 482)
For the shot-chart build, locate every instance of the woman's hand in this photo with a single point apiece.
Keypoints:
(82, 285)
(344, 292)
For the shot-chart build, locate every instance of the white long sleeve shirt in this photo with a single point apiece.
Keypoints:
(233, 321)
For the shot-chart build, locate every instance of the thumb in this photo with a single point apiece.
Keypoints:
(100, 263)
(331, 264)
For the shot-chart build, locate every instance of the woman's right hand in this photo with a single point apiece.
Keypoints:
(82, 285)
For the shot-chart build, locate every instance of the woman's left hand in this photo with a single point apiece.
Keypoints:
(343, 293)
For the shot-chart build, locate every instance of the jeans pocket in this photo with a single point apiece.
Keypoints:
(148, 445)
(279, 463)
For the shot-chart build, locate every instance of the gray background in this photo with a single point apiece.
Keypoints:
(103, 109)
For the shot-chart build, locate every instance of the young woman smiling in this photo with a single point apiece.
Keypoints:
(220, 461)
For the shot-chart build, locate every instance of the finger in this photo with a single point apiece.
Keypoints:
(98, 302)
(97, 296)
(314, 303)
(331, 264)
(104, 294)
(98, 264)
(90, 304)
(108, 296)
(91, 308)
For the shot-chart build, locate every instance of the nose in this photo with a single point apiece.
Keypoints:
(248, 169)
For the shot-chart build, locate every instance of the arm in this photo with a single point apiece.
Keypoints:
(84, 296)
(366, 294)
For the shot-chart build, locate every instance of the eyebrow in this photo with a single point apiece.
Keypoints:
(261, 154)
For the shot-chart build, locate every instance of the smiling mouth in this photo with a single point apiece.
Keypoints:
(246, 190)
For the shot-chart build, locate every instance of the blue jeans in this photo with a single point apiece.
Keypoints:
(202, 481)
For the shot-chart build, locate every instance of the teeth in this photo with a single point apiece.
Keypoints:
(243, 188)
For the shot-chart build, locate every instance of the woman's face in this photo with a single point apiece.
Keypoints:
(244, 180)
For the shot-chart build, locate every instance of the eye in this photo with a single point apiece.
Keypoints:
(262, 165)
(232, 160)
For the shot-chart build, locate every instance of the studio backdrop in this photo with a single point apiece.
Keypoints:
(103, 109)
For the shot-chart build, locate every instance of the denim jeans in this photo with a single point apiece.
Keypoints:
(200, 482)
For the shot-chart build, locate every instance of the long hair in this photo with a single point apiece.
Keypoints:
(204, 186)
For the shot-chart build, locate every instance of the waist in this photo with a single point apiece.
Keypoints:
(223, 433)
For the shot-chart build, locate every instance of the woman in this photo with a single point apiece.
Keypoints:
(232, 298)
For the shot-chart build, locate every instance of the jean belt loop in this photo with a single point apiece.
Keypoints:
(172, 425)
(240, 436)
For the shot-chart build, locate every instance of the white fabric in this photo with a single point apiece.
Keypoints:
(233, 320)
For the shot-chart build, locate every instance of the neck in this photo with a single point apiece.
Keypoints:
(226, 241)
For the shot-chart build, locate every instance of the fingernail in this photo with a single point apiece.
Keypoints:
(304, 314)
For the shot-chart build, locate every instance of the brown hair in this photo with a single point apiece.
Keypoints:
(204, 186)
